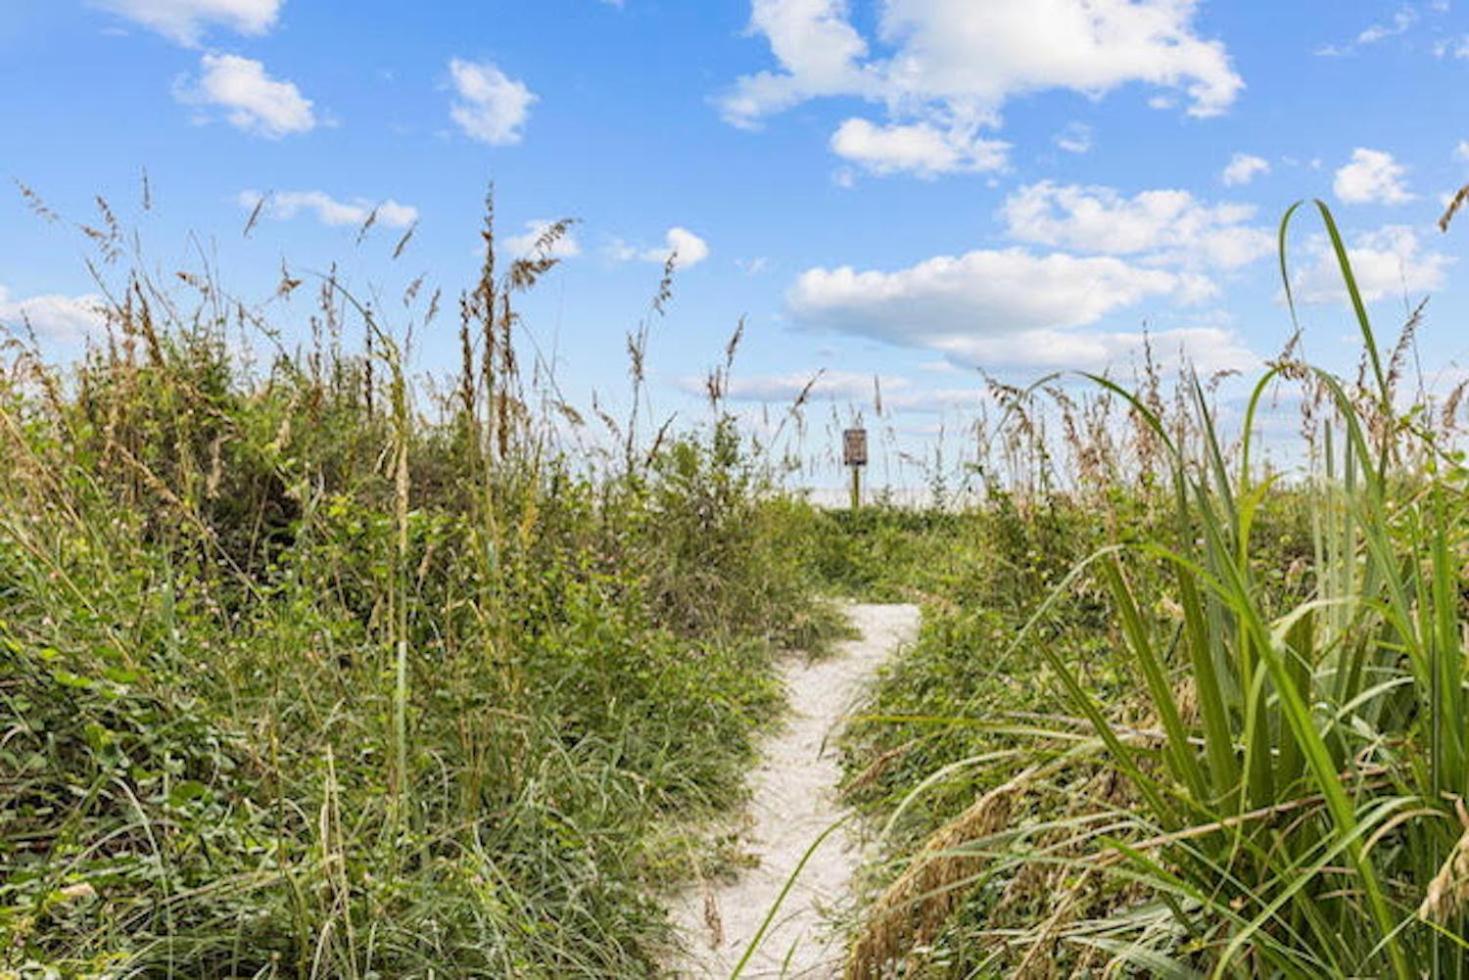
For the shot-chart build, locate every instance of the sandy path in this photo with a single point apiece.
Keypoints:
(793, 801)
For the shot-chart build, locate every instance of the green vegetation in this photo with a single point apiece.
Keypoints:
(303, 674)
(309, 671)
(1195, 720)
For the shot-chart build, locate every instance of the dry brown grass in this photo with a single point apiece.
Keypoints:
(915, 906)
(1448, 892)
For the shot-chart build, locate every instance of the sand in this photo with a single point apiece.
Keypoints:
(794, 801)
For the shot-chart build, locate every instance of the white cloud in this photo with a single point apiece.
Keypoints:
(286, 205)
(1461, 152)
(65, 319)
(1404, 19)
(1074, 138)
(1243, 168)
(1169, 226)
(185, 21)
(491, 107)
(1401, 21)
(818, 51)
(963, 306)
(1390, 261)
(953, 64)
(990, 51)
(1452, 47)
(687, 248)
(1207, 349)
(252, 100)
(918, 148)
(1372, 176)
(565, 247)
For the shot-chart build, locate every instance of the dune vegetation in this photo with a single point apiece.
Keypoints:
(316, 667)
(1196, 717)
(309, 673)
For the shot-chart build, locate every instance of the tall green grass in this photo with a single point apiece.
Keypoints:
(1276, 788)
(306, 672)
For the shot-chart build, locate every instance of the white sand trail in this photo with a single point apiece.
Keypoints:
(793, 801)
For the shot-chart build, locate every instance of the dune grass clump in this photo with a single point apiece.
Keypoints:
(1262, 769)
(307, 671)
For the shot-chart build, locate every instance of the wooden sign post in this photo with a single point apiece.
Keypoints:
(854, 454)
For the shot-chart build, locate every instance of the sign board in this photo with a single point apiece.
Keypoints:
(854, 447)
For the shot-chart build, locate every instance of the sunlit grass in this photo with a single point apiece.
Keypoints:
(1278, 790)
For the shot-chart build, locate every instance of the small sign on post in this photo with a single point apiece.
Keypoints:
(854, 455)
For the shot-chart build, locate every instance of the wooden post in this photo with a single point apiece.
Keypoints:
(854, 454)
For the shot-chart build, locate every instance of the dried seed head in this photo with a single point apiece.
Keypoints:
(1448, 892)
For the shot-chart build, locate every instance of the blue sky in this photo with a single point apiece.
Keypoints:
(910, 188)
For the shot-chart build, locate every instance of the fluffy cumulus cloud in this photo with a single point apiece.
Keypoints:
(1168, 226)
(1388, 262)
(820, 54)
(988, 52)
(1012, 308)
(686, 248)
(54, 317)
(565, 247)
(951, 65)
(941, 301)
(1243, 168)
(1372, 177)
(490, 107)
(285, 205)
(185, 21)
(250, 99)
(919, 148)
